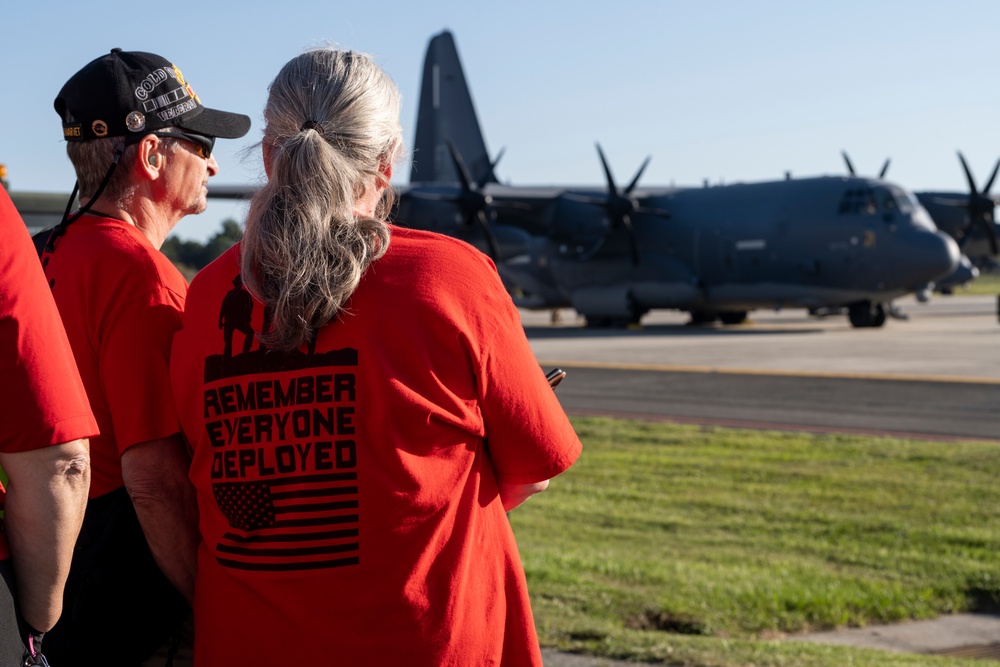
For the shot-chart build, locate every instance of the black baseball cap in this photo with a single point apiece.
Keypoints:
(132, 94)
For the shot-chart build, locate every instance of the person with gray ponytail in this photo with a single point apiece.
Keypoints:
(351, 509)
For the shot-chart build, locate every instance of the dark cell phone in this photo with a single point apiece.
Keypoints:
(555, 376)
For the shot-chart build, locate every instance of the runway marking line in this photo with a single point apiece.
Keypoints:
(906, 377)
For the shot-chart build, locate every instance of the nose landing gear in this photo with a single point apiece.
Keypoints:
(866, 314)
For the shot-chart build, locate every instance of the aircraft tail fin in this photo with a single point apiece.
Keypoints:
(446, 113)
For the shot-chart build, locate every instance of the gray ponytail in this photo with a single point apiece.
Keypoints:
(332, 122)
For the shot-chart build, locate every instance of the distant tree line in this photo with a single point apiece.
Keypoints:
(191, 256)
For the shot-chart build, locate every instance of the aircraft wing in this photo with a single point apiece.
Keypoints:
(231, 191)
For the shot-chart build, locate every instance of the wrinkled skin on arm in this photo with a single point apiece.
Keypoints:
(44, 510)
(156, 476)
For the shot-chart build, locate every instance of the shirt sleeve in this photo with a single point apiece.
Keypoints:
(42, 399)
(530, 438)
(135, 367)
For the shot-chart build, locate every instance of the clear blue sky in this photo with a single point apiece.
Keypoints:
(721, 90)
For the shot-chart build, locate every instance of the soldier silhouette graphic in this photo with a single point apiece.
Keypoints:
(235, 314)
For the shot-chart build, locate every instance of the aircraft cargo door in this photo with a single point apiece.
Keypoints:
(724, 258)
(751, 258)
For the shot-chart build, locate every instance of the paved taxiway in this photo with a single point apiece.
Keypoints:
(936, 374)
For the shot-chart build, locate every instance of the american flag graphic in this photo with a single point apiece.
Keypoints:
(308, 522)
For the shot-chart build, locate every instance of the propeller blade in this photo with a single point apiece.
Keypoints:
(993, 177)
(847, 161)
(607, 171)
(490, 174)
(968, 176)
(633, 244)
(638, 174)
(992, 235)
(463, 173)
(885, 168)
(491, 240)
(985, 220)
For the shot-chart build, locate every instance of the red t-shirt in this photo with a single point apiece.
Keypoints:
(42, 401)
(121, 301)
(348, 501)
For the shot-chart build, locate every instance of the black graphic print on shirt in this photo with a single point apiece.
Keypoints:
(281, 426)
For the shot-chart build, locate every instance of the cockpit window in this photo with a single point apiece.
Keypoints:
(885, 201)
(905, 200)
(858, 201)
(869, 201)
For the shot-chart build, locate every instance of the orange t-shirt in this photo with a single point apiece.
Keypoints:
(121, 301)
(348, 499)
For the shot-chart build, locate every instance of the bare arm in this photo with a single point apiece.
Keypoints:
(512, 495)
(44, 510)
(156, 476)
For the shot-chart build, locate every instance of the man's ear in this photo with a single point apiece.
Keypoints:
(149, 161)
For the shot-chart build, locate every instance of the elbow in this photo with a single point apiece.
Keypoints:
(73, 465)
(512, 495)
(148, 491)
(155, 473)
(541, 486)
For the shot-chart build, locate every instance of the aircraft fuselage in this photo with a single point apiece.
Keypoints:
(819, 242)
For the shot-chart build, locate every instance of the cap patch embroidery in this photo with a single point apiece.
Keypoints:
(135, 121)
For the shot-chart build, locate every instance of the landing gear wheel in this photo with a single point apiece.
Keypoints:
(865, 314)
(733, 317)
(597, 322)
(701, 317)
(880, 315)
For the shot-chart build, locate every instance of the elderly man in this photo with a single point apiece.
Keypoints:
(45, 421)
(141, 143)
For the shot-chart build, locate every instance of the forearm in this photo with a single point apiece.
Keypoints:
(512, 495)
(44, 510)
(156, 476)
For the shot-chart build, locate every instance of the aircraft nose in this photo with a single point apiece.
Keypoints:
(933, 255)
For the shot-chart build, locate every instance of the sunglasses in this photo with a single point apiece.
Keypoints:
(203, 144)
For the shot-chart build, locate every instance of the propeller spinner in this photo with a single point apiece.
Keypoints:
(620, 205)
(472, 202)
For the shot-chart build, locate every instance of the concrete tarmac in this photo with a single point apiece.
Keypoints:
(947, 351)
(954, 337)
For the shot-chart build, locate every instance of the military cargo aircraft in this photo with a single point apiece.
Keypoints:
(717, 252)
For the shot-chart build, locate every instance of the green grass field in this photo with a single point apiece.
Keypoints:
(985, 284)
(704, 546)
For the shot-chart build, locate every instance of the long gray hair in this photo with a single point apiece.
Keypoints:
(332, 124)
